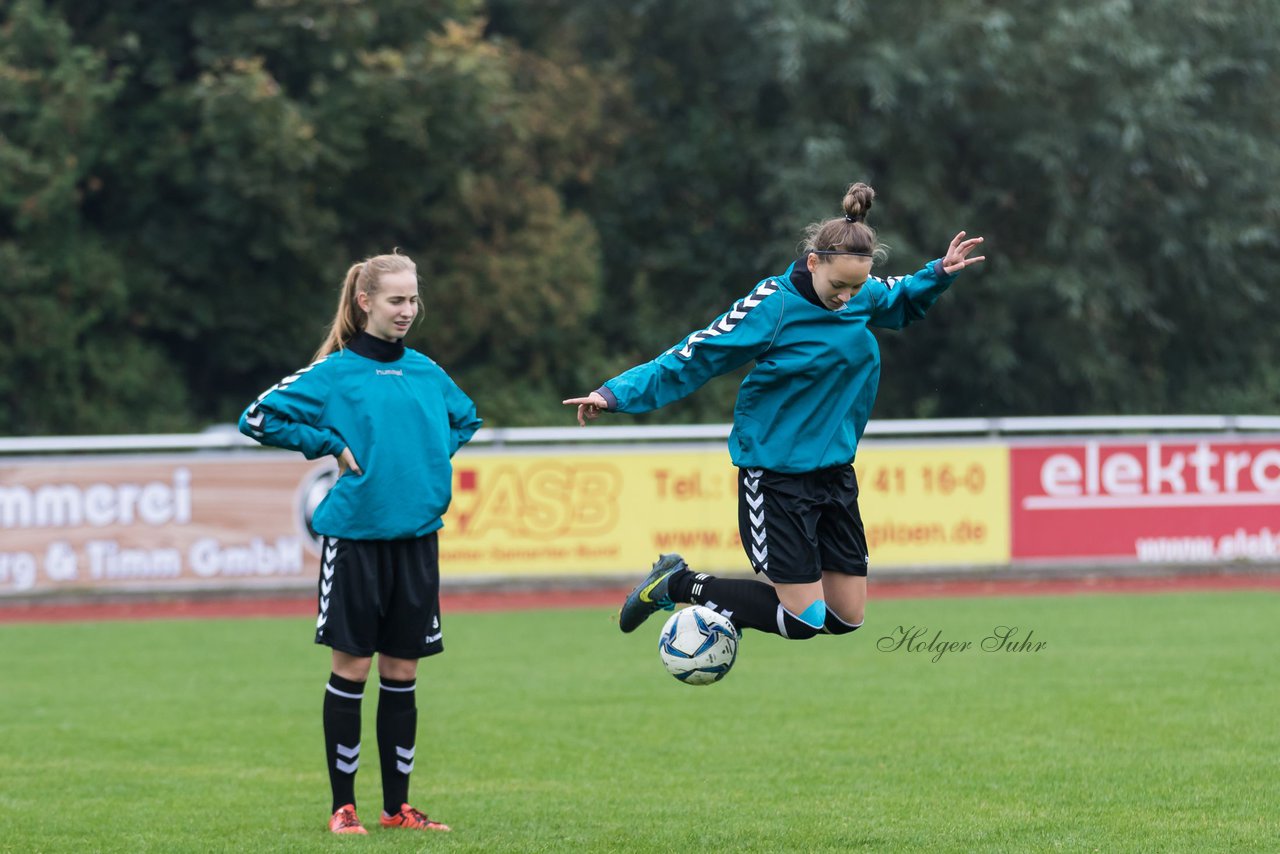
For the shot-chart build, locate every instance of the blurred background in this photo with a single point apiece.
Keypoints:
(582, 182)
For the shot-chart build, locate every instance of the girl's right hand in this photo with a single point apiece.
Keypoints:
(589, 407)
(346, 460)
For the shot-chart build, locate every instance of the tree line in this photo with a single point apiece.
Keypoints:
(583, 182)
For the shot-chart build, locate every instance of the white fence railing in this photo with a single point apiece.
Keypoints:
(226, 437)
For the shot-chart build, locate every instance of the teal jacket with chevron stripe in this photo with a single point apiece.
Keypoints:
(805, 404)
(403, 419)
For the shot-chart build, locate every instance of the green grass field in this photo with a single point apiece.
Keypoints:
(1147, 723)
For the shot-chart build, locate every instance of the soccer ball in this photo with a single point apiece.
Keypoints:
(697, 645)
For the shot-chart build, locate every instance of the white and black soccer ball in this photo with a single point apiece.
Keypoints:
(697, 645)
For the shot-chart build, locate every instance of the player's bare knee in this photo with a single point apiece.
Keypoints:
(852, 615)
(353, 667)
(402, 669)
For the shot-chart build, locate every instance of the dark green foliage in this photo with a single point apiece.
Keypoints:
(230, 161)
(583, 182)
(74, 354)
(1118, 157)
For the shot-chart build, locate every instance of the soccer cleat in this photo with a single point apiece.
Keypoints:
(345, 821)
(412, 819)
(651, 594)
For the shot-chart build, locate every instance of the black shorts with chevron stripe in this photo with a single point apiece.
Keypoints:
(795, 526)
(380, 596)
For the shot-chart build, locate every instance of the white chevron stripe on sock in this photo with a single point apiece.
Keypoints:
(402, 754)
(345, 752)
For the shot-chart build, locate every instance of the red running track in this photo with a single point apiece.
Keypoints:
(471, 601)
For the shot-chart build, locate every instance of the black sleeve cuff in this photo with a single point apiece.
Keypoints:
(610, 400)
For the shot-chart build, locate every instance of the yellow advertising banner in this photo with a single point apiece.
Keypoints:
(242, 520)
(935, 505)
(572, 512)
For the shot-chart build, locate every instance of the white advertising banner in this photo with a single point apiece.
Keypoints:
(181, 522)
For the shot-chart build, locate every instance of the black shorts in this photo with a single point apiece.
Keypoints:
(380, 596)
(795, 526)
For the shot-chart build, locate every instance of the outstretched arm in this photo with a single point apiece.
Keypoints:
(734, 338)
(902, 300)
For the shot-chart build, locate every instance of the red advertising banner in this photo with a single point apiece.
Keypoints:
(1147, 500)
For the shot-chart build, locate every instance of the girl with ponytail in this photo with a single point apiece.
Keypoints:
(393, 419)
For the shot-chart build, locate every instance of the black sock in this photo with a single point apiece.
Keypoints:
(748, 604)
(836, 626)
(397, 732)
(342, 737)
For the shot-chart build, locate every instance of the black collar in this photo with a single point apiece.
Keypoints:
(803, 280)
(374, 348)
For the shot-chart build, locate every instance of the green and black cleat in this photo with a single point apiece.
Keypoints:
(651, 594)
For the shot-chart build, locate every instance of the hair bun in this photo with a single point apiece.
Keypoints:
(857, 202)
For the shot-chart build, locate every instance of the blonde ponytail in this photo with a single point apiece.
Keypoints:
(363, 278)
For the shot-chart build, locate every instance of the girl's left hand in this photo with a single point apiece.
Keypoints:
(347, 462)
(957, 258)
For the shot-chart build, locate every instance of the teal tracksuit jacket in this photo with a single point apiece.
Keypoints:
(403, 420)
(805, 404)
